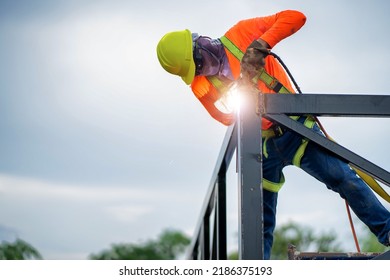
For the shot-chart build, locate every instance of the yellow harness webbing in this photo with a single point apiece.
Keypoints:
(368, 179)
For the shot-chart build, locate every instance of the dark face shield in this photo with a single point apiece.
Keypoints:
(207, 55)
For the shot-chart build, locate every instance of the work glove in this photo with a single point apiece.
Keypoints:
(253, 60)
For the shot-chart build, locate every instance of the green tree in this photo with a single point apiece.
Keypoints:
(18, 250)
(168, 246)
(369, 243)
(304, 238)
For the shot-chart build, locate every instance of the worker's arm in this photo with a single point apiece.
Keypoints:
(268, 29)
(275, 28)
(280, 26)
(208, 95)
(209, 104)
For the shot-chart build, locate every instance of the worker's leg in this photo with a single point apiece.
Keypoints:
(269, 216)
(276, 154)
(339, 177)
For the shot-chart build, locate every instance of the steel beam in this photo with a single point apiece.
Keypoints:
(327, 104)
(293, 254)
(250, 206)
(383, 256)
(354, 159)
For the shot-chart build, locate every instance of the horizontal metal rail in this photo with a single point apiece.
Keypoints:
(349, 105)
(293, 254)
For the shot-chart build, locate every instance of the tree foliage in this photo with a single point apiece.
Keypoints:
(168, 246)
(18, 250)
(304, 239)
(369, 243)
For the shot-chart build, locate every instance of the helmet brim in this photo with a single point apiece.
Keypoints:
(189, 77)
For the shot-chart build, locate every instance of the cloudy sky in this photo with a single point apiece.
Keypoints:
(99, 145)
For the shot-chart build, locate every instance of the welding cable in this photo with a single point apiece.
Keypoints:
(327, 136)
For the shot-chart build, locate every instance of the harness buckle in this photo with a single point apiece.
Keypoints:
(278, 130)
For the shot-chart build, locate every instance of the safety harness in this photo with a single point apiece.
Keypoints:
(275, 131)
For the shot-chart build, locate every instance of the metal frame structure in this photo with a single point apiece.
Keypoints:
(209, 241)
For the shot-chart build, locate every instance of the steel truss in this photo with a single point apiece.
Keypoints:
(244, 137)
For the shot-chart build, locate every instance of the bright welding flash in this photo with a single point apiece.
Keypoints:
(230, 101)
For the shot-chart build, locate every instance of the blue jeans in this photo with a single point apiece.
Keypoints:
(334, 172)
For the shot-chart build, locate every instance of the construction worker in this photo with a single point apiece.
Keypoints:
(209, 66)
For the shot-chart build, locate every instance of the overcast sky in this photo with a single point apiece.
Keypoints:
(100, 145)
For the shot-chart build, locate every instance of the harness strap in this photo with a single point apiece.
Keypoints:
(232, 47)
(270, 81)
(273, 84)
(217, 83)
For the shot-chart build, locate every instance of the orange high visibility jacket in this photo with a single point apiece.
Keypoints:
(272, 29)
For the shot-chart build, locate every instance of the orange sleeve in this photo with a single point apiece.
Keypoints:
(226, 119)
(282, 25)
(208, 95)
(271, 29)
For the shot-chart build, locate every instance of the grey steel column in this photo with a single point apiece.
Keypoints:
(220, 218)
(206, 239)
(250, 184)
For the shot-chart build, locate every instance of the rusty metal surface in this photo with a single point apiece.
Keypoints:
(293, 254)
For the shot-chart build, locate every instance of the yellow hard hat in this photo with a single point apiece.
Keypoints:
(174, 51)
